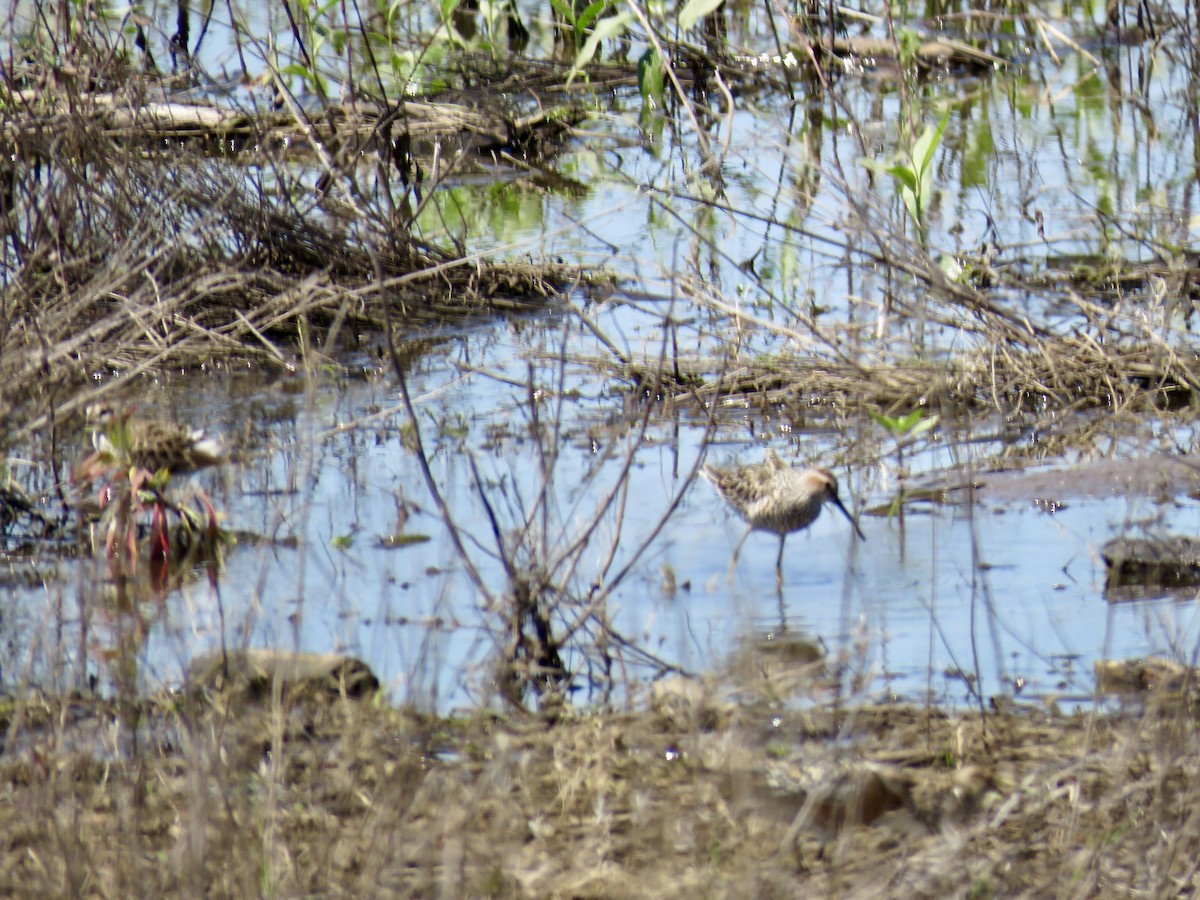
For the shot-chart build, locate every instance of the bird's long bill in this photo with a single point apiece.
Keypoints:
(837, 501)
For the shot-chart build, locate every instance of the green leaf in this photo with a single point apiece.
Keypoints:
(899, 172)
(913, 424)
(904, 175)
(565, 10)
(650, 77)
(610, 27)
(925, 425)
(295, 69)
(588, 16)
(927, 144)
(887, 422)
(694, 11)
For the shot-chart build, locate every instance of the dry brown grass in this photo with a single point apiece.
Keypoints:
(129, 247)
(1067, 373)
(349, 799)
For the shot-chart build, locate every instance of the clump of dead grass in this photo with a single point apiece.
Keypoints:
(1125, 355)
(308, 797)
(130, 245)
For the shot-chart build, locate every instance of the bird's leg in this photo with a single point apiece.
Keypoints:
(736, 550)
(779, 560)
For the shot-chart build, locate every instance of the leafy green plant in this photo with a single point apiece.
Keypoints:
(320, 32)
(448, 13)
(909, 43)
(913, 425)
(695, 10)
(502, 24)
(905, 429)
(651, 82)
(579, 18)
(914, 174)
(607, 27)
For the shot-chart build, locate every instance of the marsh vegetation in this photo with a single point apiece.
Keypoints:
(471, 292)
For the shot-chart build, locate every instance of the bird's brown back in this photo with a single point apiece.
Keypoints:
(153, 444)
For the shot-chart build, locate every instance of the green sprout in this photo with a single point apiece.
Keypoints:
(905, 429)
(914, 175)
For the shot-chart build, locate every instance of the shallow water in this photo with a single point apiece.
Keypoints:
(1000, 589)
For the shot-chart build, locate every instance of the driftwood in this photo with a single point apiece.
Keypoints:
(930, 53)
(483, 128)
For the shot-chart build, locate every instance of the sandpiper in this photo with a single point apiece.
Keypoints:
(152, 444)
(773, 496)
